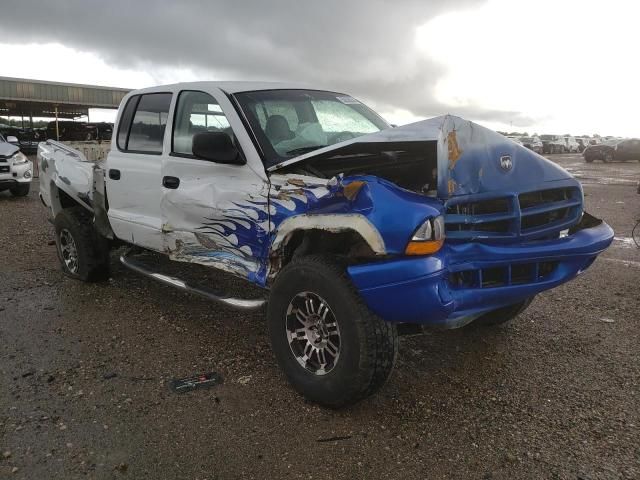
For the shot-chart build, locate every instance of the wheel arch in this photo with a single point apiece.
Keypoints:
(348, 235)
(61, 199)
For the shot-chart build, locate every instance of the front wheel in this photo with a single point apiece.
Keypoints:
(21, 190)
(331, 347)
(504, 314)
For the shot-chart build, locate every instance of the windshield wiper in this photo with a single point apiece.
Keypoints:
(307, 149)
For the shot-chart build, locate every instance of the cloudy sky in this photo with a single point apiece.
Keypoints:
(557, 66)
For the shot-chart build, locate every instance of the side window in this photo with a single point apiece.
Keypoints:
(125, 121)
(196, 112)
(149, 122)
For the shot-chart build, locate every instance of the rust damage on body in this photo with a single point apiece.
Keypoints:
(454, 152)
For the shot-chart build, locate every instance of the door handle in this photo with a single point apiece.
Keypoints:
(114, 174)
(170, 182)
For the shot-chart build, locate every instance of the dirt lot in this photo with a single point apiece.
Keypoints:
(84, 372)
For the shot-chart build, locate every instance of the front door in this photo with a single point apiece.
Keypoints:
(212, 213)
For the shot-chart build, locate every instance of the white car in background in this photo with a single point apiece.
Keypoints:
(16, 170)
(583, 143)
(571, 144)
(532, 143)
(515, 139)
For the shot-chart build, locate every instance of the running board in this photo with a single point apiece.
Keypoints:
(239, 303)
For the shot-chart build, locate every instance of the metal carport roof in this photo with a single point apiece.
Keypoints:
(38, 98)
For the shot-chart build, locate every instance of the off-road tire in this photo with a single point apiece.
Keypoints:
(368, 344)
(92, 248)
(504, 314)
(21, 190)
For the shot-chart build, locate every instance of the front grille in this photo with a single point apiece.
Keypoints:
(4, 169)
(543, 208)
(542, 219)
(503, 275)
(531, 214)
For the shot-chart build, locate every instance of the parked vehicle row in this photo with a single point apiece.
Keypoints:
(27, 139)
(553, 144)
(71, 131)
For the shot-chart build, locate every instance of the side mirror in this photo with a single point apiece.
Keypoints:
(12, 139)
(216, 147)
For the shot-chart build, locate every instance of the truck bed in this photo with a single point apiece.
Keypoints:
(70, 166)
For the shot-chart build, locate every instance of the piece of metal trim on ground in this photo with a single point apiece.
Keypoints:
(203, 380)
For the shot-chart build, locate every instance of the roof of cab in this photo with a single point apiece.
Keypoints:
(228, 87)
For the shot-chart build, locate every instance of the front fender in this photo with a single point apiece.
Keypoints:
(331, 223)
(382, 213)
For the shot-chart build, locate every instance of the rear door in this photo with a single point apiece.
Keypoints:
(134, 181)
(213, 214)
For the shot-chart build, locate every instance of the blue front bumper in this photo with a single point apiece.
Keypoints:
(466, 279)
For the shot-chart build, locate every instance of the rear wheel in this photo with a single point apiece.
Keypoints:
(83, 253)
(504, 314)
(331, 347)
(20, 190)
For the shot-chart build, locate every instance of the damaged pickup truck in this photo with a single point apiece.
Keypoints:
(351, 227)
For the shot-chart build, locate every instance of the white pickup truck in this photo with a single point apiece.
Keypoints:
(350, 226)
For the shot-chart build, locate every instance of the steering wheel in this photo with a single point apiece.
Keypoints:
(343, 137)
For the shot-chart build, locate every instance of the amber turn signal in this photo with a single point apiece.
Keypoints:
(426, 247)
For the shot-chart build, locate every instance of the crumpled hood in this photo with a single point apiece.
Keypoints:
(7, 149)
(471, 159)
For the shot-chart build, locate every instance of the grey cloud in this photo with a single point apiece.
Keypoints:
(363, 47)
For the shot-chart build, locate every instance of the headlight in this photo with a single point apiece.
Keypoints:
(428, 237)
(19, 158)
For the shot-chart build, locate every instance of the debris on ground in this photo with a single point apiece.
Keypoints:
(203, 380)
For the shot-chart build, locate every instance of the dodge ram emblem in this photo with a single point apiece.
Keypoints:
(506, 163)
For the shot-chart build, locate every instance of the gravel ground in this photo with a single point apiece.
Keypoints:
(84, 372)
